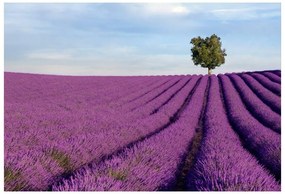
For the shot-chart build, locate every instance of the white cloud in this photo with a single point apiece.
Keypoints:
(165, 9)
(180, 10)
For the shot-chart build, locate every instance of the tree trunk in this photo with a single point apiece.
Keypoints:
(209, 71)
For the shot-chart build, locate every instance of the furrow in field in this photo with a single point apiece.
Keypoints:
(169, 98)
(277, 72)
(272, 86)
(262, 142)
(140, 103)
(161, 93)
(255, 106)
(186, 84)
(139, 92)
(150, 90)
(136, 86)
(272, 100)
(273, 77)
(222, 164)
(92, 144)
(49, 160)
(142, 112)
(144, 167)
(117, 91)
(147, 128)
(189, 157)
(58, 125)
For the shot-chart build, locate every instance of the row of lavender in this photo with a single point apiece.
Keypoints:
(148, 165)
(31, 120)
(124, 141)
(72, 137)
(222, 163)
(221, 169)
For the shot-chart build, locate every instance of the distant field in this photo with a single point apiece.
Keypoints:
(143, 133)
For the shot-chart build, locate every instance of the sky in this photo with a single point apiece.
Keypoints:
(137, 39)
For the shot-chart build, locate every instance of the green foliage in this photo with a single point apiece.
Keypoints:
(118, 175)
(208, 52)
(62, 159)
(13, 180)
(10, 175)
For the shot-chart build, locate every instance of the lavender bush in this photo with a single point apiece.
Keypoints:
(272, 76)
(272, 86)
(255, 106)
(272, 100)
(131, 133)
(264, 143)
(222, 163)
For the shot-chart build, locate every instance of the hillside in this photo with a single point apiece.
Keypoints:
(143, 133)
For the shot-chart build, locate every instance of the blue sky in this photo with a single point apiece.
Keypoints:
(137, 39)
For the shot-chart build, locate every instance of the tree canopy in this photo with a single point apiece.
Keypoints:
(208, 52)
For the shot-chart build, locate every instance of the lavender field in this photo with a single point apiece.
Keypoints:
(143, 133)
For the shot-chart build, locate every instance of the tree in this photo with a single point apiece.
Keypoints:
(208, 52)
